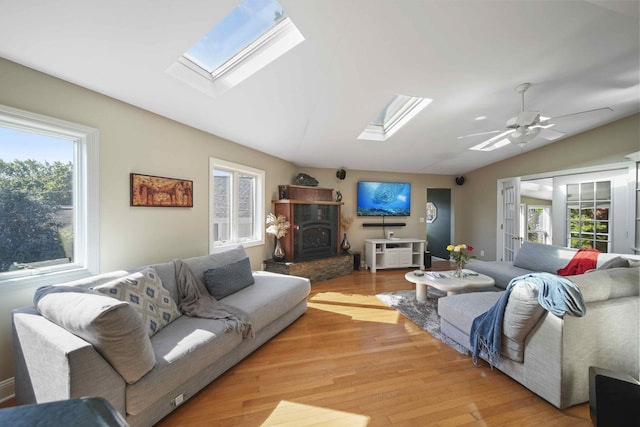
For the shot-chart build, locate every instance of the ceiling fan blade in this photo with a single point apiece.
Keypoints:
(494, 142)
(564, 116)
(478, 134)
(550, 134)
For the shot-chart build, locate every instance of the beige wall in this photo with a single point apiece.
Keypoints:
(419, 184)
(134, 140)
(603, 145)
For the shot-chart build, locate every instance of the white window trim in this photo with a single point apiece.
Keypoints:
(86, 197)
(259, 205)
(268, 47)
(408, 111)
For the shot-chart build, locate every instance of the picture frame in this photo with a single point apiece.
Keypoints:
(158, 191)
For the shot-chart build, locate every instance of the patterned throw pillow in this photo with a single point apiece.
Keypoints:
(144, 292)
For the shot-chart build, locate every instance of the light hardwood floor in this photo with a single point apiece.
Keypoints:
(352, 361)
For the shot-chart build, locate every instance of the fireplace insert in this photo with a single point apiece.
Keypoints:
(315, 231)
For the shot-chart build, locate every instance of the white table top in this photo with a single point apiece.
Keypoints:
(444, 280)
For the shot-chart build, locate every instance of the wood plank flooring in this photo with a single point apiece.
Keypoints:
(352, 361)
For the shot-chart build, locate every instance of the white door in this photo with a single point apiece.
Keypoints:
(509, 228)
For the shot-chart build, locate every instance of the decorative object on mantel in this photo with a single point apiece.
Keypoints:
(277, 226)
(345, 221)
(460, 254)
(157, 191)
(304, 179)
(338, 196)
(303, 192)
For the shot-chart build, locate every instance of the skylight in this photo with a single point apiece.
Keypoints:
(253, 35)
(394, 115)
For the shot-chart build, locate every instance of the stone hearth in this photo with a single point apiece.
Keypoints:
(315, 270)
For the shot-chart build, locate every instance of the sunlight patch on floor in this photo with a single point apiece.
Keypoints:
(296, 415)
(359, 307)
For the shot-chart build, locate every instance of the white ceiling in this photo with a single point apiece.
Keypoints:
(310, 105)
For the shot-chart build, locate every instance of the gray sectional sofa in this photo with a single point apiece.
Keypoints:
(550, 355)
(145, 377)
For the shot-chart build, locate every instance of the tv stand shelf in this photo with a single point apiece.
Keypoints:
(394, 253)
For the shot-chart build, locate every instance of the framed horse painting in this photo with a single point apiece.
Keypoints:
(148, 190)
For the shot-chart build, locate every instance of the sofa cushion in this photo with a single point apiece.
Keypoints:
(541, 257)
(520, 315)
(185, 349)
(461, 309)
(500, 271)
(144, 292)
(113, 327)
(269, 297)
(229, 278)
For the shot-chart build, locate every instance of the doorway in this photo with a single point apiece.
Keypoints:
(438, 221)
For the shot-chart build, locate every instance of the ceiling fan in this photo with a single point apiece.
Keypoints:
(524, 127)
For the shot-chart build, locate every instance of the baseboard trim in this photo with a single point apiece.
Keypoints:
(7, 389)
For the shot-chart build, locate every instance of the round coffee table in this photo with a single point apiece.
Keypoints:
(444, 281)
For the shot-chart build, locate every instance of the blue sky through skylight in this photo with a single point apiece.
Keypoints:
(242, 26)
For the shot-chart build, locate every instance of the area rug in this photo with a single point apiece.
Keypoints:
(423, 314)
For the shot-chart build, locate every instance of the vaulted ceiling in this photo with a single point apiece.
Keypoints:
(310, 105)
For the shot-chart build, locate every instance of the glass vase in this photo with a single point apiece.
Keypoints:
(278, 252)
(458, 273)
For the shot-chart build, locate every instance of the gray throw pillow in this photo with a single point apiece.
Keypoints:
(228, 279)
(111, 326)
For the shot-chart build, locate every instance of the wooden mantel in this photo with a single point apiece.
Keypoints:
(291, 195)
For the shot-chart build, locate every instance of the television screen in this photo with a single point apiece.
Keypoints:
(384, 198)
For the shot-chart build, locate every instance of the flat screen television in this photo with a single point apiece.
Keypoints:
(377, 198)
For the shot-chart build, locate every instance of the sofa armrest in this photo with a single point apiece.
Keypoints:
(52, 364)
(559, 351)
(613, 283)
(268, 277)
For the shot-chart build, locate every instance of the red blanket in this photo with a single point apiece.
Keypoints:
(583, 260)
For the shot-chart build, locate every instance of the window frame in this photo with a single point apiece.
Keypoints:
(85, 196)
(259, 209)
(277, 41)
(406, 108)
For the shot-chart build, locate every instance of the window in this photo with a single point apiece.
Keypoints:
(253, 35)
(538, 224)
(588, 213)
(394, 115)
(48, 198)
(236, 205)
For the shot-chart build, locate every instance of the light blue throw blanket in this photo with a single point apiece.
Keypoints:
(556, 294)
